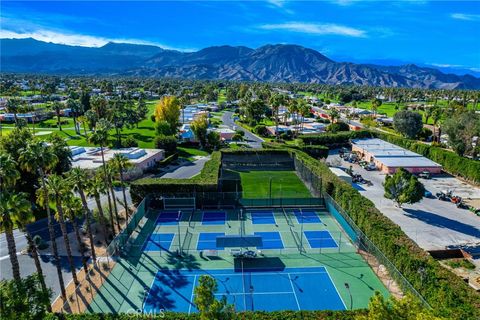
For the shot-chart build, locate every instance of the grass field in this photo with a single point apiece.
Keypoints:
(284, 184)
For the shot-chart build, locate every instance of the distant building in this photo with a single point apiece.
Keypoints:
(226, 134)
(186, 134)
(91, 157)
(389, 157)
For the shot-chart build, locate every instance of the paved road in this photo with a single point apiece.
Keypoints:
(186, 170)
(27, 265)
(103, 199)
(253, 140)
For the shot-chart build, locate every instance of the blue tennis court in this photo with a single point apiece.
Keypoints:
(158, 242)
(262, 217)
(289, 289)
(214, 217)
(208, 241)
(306, 216)
(168, 218)
(320, 239)
(271, 240)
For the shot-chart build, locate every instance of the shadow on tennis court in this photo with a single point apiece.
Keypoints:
(259, 264)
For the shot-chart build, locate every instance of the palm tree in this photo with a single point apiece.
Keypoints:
(74, 106)
(73, 210)
(80, 180)
(94, 188)
(436, 117)
(37, 157)
(121, 163)
(303, 109)
(8, 171)
(83, 121)
(13, 104)
(100, 137)
(276, 100)
(57, 188)
(57, 106)
(9, 215)
(25, 216)
(292, 110)
(110, 175)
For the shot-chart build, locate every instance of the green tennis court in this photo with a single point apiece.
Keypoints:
(287, 245)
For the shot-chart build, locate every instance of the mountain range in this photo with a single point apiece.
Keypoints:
(272, 63)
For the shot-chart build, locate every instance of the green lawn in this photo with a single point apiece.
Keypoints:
(284, 184)
(190, 153)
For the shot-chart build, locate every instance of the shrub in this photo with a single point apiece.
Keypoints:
(163, 128)
(168, 143)
(261, 130)
(240, 132)
(337, 127)
(335, 140)
(425, 134)
(237, 137)
(129, 142)
(317, 152)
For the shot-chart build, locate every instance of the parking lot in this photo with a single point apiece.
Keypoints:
(433, 224)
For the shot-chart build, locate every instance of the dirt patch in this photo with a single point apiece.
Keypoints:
(382, 273)
(79, 298)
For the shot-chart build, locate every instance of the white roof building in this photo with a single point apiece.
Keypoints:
(91, 157)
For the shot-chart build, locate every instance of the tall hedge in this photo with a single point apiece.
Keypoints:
(316, 151)
(257, 315)
(206, 181)
(451, 162)
(334, 139)
(447, 294)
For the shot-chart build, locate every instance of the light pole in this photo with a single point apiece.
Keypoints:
(270, 190)
(301, 231)
(179, 240)
(347, 286)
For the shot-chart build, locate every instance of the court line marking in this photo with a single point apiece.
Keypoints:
(243, 285)
(331, 238)
(148, 293)
(281, 239)
(254, 273)
(191, 297)
(254, 293)
(293, 290)
(338, 293)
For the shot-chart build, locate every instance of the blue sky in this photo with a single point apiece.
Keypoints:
(425, 32)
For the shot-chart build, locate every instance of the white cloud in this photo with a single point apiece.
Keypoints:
(465, 16)
(73, 39)
(315, 28)
(277, 3)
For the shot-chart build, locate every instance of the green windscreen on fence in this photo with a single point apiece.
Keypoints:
(122, 238)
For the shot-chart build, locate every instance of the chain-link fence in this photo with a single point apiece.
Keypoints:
(119, 242)
(364, 244)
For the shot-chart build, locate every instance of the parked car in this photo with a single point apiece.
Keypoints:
(424, 175)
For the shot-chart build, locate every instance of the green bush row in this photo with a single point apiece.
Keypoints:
(334, 139)
(448, 295)
(258, 315)
(451, 162)
(316, 151)
(206, 181)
